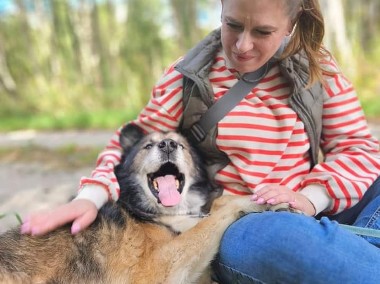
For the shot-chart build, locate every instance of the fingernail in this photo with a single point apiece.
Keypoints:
(25, 228)
(75, 229)
(270, 201)
(35, 232)
(260, 200)
(254, 197)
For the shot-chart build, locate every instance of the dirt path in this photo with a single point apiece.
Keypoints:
(47, 169)
(41, 170)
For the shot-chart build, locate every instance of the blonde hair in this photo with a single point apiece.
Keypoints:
(307, 35)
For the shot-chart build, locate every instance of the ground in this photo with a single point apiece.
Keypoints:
(39, 170)
(42, 169)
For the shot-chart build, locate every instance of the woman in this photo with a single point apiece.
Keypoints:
(300, 102)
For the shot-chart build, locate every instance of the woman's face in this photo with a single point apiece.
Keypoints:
(252, 31)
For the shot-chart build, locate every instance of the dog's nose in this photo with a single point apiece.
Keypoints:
(168, 145)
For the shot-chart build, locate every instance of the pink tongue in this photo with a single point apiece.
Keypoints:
(168, 193)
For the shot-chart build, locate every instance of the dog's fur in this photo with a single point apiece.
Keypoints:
(137, 239)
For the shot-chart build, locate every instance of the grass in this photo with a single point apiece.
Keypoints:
(367, 79)
(371, 108)
(69, 157)
(16, 215)
(105, 119)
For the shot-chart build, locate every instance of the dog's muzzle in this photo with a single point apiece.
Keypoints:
(167, 183)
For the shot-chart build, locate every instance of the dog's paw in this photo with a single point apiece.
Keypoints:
(283, 207)
(279, 207)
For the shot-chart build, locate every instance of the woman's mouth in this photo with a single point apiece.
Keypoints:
(243, 57)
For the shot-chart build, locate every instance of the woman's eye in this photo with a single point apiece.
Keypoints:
(264, 33)
(234, 26)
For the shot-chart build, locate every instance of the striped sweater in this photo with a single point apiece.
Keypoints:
(265, 140)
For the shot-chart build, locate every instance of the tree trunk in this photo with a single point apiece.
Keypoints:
(185, 15)
(99, 47)
(7, 82)
(336, 34)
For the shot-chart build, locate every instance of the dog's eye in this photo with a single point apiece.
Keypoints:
(148, 146)
(182, 147)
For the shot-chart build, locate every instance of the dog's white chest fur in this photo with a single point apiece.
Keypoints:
(180, 223)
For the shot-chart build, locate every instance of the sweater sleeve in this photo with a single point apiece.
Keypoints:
(162, 113)
(164, 110)
(102, 185)
(351, 154)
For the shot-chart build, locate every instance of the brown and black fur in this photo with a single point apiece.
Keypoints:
(136, 239)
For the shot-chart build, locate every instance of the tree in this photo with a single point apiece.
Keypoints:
(186, 19)
(7, 82)
(336, 37)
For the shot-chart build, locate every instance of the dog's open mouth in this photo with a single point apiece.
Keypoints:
(167, 184)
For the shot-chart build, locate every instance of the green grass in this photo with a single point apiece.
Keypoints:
(105, 119)
(367, 79)
(371, 108)
(16, 215)
(67, 157)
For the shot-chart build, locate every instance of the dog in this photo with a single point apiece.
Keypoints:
(161, 230)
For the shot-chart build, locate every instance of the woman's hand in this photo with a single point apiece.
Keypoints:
(81, 212)
(276, 194)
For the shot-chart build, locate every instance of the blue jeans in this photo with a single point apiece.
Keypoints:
(282, 247)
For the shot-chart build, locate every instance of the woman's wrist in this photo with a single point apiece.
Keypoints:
(94, 193)
(318, 197)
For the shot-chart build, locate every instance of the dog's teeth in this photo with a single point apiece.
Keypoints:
(155, 185)
(177, 183)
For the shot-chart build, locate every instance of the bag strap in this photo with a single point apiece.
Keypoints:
(369, 232)
(361, 231)
(197, 133)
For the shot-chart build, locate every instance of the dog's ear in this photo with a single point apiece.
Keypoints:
(130, 135)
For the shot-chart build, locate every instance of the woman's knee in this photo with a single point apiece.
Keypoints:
(288, 248)
(263, 235)
(272, 245)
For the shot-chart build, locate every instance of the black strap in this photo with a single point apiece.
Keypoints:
(226, 103)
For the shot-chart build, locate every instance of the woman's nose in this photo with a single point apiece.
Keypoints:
(244, 42)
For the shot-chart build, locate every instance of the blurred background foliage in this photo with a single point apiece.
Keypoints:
(92, 63)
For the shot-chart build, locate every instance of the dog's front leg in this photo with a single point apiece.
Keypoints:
(188, 256)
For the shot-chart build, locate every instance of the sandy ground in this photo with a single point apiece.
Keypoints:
(26, 188)
(40, 183)
(43, 181)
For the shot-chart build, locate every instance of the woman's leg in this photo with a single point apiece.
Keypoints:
(370, 216)
(282, 247)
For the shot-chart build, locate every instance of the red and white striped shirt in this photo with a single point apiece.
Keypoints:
(266, 141)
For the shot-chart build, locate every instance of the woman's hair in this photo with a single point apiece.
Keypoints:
(307, 35)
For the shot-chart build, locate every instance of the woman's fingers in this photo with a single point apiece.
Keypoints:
(81, 212)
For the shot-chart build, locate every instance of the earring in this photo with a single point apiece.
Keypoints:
(293, 30)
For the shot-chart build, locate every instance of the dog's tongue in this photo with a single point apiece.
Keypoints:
(168, 193)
